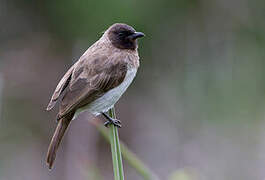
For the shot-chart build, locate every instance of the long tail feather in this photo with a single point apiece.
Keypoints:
(56, 140)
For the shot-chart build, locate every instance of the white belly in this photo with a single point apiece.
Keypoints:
(107, 101)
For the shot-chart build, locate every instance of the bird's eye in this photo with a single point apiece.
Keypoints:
(124, 33)
(121, 33)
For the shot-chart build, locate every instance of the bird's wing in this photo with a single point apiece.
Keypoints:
(60, 88)
(91, 78)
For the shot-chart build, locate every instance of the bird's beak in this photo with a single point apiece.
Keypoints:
(136, 35)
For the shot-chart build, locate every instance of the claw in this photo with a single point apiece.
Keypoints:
(115, 122)
(110, 121)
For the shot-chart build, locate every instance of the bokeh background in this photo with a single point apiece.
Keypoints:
(194, 111)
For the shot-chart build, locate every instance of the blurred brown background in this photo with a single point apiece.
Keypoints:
(196, 105)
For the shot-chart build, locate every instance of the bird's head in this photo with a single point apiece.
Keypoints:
(123, 36)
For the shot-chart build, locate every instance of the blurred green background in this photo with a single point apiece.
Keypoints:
(194, 111)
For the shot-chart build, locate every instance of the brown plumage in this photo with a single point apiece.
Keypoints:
(100, 73)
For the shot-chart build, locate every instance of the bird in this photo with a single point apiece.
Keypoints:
(96, 81)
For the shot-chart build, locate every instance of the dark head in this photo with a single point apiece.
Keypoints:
(123, 36)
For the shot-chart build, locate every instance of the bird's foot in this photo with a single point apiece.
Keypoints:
(115, 122)
(110, 121)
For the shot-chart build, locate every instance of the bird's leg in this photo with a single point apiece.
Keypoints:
(115, 122)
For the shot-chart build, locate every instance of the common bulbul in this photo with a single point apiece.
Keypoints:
(96, 81)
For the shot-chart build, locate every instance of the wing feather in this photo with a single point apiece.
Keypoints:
(91, 79)
(60, 88)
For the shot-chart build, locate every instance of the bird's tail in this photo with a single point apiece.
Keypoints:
(56, 139)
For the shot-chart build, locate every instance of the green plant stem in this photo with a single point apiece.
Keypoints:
(115, 149)
(128, 155)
